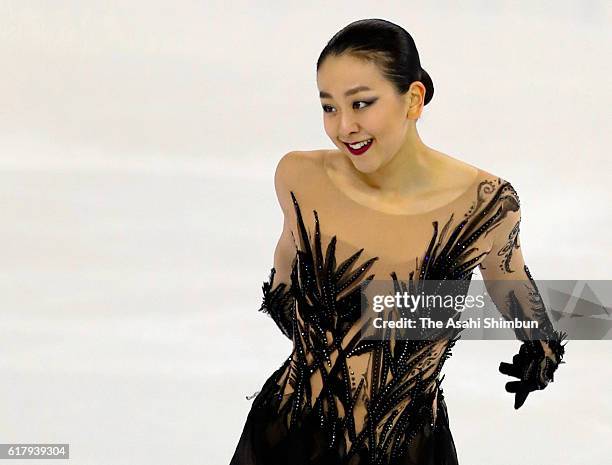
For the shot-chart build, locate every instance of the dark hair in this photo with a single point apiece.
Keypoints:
(386, 44)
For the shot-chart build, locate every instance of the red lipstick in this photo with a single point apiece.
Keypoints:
(361, 150)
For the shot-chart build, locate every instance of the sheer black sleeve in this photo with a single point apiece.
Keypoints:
(515, 294)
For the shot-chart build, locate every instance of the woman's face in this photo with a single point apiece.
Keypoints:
(360, 104)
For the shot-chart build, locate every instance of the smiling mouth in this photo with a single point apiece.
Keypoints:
(359, 147)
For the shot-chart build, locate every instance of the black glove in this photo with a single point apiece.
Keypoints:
(533, 367)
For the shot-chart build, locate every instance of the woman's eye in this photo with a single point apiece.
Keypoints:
(330, 109)
(357, 103)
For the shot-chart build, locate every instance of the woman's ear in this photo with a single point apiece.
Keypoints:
(415, 100)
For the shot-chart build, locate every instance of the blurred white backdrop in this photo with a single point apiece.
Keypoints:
(138, 142)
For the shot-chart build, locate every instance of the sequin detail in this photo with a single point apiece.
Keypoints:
(394, 401)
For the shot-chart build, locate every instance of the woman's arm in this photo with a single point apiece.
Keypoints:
(515, 294)
(278, 301)
(286, 248)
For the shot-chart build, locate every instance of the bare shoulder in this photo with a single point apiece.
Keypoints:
(295, 162)
(293, 173)
(453, 166)
(465, 173)
(491, 183)
(294, 167)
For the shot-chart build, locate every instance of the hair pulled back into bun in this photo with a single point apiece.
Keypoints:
(390, 46)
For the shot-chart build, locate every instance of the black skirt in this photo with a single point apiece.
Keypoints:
(266, 440)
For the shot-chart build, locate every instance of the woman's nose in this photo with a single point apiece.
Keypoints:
(347, 125)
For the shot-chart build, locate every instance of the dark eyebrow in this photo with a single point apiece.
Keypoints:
(349, 92)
